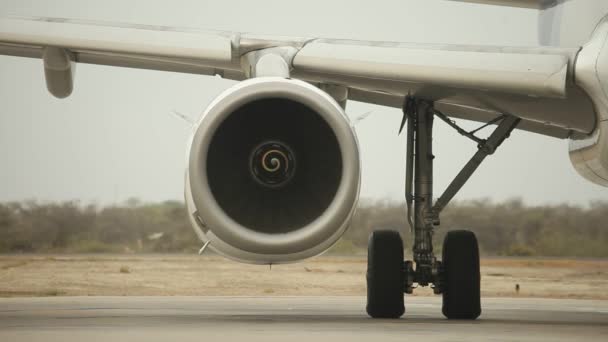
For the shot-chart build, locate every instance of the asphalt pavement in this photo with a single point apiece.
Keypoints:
(292, 319)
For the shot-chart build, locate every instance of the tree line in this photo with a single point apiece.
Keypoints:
(507, 228)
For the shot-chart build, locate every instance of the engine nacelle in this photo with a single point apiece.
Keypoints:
(273, 173)
(589, 155)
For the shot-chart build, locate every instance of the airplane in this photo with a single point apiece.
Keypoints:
(273, 172)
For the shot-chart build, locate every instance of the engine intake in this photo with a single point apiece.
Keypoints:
(273, 172)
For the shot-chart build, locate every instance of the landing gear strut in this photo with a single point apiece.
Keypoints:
(457, 277)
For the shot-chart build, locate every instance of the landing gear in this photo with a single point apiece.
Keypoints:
(461, 297)
(385, 275)
(457, 278)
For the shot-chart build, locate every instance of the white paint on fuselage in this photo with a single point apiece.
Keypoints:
(569, 23)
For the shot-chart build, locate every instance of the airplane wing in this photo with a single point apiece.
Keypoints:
(470, 82)
(118, 44)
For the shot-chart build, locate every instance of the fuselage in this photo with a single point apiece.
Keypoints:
(570, 23)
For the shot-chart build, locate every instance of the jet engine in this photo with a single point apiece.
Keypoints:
(273, 172)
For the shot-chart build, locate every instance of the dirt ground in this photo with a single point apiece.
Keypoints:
(168, 275)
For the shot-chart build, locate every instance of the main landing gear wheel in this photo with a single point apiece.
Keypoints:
(461, 292)
(385, 277)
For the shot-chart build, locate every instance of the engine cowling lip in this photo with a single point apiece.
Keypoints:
(334, 216)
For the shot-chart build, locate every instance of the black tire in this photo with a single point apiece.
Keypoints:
(385, 275)
(461, 292)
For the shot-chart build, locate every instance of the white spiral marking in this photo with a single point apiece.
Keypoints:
(275, 163)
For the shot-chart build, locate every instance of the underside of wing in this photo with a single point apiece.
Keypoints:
(470, 82)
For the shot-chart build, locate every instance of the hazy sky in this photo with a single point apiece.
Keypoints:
(115, 138)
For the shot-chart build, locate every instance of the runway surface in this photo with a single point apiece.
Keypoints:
(291, 319)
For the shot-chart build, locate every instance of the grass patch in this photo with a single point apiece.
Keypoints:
(14, 265)
(52, 293)
(497, 274)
